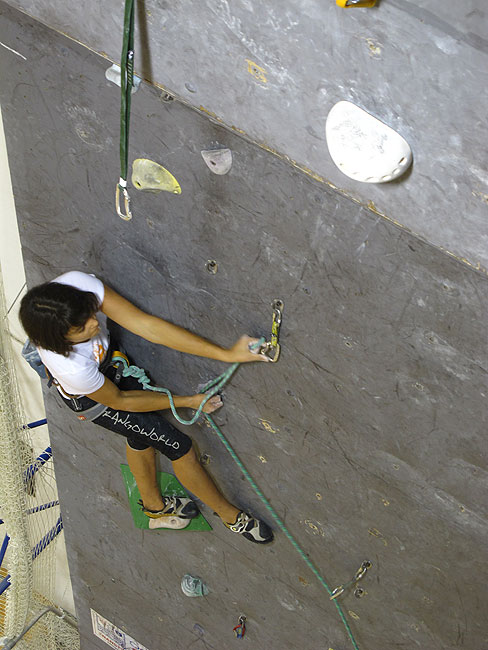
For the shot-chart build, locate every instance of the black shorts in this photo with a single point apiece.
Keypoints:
(142, 430)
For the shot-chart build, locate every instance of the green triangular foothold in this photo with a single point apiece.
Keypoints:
(170, 486)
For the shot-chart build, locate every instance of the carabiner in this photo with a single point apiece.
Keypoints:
(122, 185)
(362, 570)
(337, 592)
(271, 351)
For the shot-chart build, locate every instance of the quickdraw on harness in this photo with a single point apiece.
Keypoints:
(240, 628)
(126, 84)
(271, 348)
(357, 576)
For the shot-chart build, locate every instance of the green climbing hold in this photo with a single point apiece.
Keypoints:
(170, 486)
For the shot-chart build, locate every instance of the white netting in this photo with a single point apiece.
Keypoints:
(31, 516)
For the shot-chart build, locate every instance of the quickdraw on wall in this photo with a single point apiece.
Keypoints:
(126, 84)
(240, 628)
(271, 348)
(358, 592)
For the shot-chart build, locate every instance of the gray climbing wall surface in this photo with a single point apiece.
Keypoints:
(367, 436)
(274, 72)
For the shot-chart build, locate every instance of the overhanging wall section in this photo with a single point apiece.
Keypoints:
(367, 436)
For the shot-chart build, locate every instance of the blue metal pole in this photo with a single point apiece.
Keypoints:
(48, 538)
(5, 584)
(37, 423)
(3, 550)
(38, 463)
(51, 504)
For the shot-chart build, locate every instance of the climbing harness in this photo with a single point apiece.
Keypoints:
(271, 349)
(240, 628)
(357, 576)
(211, 388)
(116, 359)
(126, 84)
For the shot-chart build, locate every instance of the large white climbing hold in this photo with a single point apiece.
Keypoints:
(363, 147)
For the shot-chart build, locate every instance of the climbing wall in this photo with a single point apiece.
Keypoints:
(367, 436)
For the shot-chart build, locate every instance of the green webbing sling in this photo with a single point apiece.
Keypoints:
(126, 84)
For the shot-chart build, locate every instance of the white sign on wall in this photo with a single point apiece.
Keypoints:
(112, 635)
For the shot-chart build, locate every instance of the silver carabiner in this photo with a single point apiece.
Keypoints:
(271, 351)
(127, 216)
(337, 592)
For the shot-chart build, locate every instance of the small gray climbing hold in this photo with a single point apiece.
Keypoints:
(219, 161)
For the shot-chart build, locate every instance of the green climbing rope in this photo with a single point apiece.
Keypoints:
(281, 525)
(211, 389)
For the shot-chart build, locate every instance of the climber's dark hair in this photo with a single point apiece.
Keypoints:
(50, 310)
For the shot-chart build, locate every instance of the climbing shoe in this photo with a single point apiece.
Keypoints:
(251, 528)
(179, 507)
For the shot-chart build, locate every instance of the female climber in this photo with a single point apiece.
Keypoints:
(65, 320)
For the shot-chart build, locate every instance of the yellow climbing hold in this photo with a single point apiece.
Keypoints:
(268, 426)
(148, 176)
(355, 3)
(257, 71)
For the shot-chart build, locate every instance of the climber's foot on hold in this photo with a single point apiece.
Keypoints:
(251, 528)
(176, 513)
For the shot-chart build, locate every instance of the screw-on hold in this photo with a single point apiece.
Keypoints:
(190, 87)
(212, 266)
(359, 592)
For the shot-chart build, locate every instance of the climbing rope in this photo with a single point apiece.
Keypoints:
(281, 524)
(126, 84)
(211, 388)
